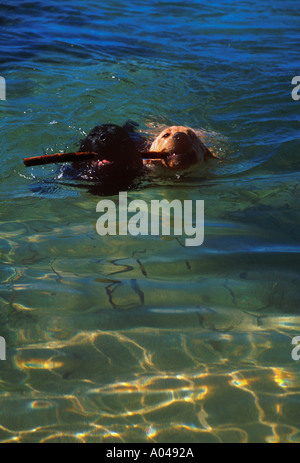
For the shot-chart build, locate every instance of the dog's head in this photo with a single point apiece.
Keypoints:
(116, 164)
(180, 147)
(112, 144)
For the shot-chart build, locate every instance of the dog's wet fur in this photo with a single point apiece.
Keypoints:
(117, 162)
(180, 147)
(113, 148)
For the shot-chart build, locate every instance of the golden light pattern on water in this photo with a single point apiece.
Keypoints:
(160, 400)
(286, 378)
(38, 364)
(40, 404)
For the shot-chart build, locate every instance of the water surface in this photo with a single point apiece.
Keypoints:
(141, 339)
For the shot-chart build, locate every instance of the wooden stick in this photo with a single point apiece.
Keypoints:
(154, 155)
(57, 158)
(80, 156)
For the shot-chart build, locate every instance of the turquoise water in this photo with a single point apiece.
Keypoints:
(141, 339)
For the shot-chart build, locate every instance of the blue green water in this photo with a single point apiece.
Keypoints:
(141, 339)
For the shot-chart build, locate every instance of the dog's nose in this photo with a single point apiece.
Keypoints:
(180, 137)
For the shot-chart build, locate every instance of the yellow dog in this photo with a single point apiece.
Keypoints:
(180, 147)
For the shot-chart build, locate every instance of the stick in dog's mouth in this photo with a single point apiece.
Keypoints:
(79, 156)
(180, 160)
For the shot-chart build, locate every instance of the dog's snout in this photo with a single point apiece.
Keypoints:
(180, 137)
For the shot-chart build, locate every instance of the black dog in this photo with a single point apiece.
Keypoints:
(117, 161)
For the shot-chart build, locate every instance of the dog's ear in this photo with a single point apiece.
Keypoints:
(130, 126)
(208, 154)
(138, 140)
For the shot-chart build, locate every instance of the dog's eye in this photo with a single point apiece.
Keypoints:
(166, 135)
(102, 137)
